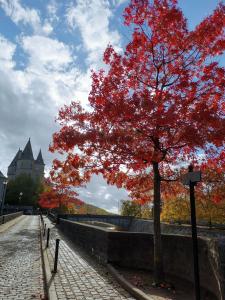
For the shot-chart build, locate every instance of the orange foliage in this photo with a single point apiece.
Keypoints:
(57, 196)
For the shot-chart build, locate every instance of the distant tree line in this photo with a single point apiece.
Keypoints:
(23, 190)
(135, 209)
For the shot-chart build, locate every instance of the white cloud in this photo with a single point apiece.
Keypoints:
(52, 8)
(92, 18)
(52, 11)
(47, 28)
(47, 53)
(20, 14)
(7, 50)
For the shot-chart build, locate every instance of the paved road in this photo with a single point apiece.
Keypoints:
(20, 261)
(79, 276)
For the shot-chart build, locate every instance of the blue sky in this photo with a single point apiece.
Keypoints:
(47, 49)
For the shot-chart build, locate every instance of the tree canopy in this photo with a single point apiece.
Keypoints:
(158, 103)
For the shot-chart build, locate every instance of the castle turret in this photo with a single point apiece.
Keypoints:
(27, 153)
(13, 166)
(25, 164)
(39, 165)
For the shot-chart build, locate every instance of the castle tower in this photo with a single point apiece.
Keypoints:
(24, 163)
(13, 166)
(39, 165)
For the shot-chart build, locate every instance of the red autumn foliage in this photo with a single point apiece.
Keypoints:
(160, 101)
(57, 196)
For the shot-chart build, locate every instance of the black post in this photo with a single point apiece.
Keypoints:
(48, 234)
(57, 219)
(56, 255)
(41, 216)
(44, 229)
(194, 238)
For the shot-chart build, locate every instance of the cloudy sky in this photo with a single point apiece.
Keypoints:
(47, 49)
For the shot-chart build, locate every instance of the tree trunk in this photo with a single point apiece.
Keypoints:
(158, 261)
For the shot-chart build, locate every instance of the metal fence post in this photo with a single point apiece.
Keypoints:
(44, 229)
(48, 234)
(194, 241)
(56, 255)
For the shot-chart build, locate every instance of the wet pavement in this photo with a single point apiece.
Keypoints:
(79, 276)
(20, 261)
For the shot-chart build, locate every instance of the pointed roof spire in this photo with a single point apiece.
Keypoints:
(27, 152)
(39, 159)
(17, 156)
(2, 176)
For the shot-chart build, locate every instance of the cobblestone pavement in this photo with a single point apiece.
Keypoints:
(79, 276)
(20, 261)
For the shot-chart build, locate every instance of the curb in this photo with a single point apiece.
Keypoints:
(137, 293)
(49, 287)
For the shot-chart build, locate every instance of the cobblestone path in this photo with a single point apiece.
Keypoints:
(79, 276)
(20, 261)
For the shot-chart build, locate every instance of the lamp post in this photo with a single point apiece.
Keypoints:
(20, 196)
(191, 179)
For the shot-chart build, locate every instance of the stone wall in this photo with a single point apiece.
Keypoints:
(89, 237)
(141, 225)
(132, 249)
(136, 250)
(120, 221)
(9, 217)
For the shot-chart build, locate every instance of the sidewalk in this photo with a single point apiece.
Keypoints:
(79, 276)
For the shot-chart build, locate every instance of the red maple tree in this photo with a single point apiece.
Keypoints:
(159, 103)
(58, 195)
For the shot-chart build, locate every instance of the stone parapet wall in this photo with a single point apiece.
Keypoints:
(140, 225)
(9, 217)
(91, 238)
(133, 249)
(120, 221)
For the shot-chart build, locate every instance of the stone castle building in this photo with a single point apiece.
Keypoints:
(24, 163)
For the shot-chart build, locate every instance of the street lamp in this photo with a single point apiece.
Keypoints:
(192, 178)
(20, 196)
